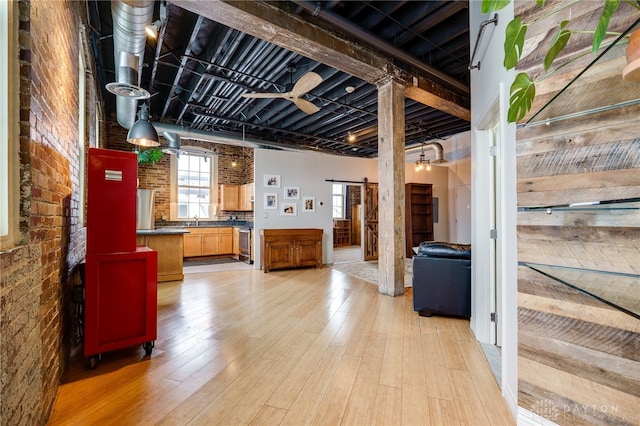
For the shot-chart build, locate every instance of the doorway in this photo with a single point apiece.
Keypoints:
(347, 222)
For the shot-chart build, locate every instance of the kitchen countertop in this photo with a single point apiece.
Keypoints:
(206, 224)
(161, 231)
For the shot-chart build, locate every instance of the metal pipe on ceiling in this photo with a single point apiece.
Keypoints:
(129, 19)
(437, 147)
(177, 132)
(379, 43)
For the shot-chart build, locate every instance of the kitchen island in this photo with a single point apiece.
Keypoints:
(169, 244)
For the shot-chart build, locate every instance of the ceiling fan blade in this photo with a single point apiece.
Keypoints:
(307, 82)
(265, 95)
(305, 105)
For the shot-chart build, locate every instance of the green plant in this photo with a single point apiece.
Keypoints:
(523, 88)
(149, 155)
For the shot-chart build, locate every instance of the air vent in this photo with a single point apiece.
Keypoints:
(127, 90)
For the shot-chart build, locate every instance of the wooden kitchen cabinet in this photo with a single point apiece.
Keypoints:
(192, 245)
(291, 248)
(208, 242)
(169, 248)
(225, 241)
(246, 197)
(236, 243)
(237, 197)
(230, 197)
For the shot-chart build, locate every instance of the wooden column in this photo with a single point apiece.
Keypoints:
(391, 154)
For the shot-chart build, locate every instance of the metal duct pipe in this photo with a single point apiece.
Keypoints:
(379, 43)
(173, 139)
(186, 133)
(129, 19)
(437, 147)
(439, 152)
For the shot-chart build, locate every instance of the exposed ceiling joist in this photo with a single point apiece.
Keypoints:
(270, 23)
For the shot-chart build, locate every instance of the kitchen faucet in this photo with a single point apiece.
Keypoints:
(196, 218)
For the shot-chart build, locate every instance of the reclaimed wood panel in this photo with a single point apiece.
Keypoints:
(614, 124)
(579, 358)
(618, 155)
(575, 351)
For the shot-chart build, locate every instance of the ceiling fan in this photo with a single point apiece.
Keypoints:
(304, 84)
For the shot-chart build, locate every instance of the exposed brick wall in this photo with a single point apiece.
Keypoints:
(37, 276)
(158, 176)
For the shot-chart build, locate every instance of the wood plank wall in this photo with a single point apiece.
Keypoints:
(579, 358)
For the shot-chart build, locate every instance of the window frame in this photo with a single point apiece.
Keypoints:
(342, 195)
(213, 185)
(9, 127)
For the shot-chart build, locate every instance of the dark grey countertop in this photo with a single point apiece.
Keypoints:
(206, 224)
(162, 231)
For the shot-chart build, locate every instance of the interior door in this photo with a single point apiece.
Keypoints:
(494, 217)
(370, 221)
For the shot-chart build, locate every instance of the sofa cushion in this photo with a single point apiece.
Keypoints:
(444, 250)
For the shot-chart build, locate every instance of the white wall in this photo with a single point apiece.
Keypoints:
(489, 100)
(309, 171)
(460, 188)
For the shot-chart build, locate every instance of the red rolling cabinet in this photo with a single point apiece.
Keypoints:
(121, 279)
(112, 181)
(120, 302)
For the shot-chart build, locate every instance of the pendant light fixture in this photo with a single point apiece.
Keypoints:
(421, 163)
(142, 133)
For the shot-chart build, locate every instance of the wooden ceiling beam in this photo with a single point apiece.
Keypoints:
(273, 24)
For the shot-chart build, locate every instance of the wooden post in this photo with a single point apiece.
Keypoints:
(391, 155)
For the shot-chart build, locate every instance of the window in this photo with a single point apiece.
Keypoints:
(338, 201)
(4, 134)
(9, 132)
(194, 186)
(82, 113)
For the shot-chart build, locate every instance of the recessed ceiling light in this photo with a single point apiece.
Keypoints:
(349, 89)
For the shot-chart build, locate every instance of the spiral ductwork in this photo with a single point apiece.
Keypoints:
(129, 39)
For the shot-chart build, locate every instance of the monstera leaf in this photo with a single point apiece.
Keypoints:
(610, 6)
(523, 90)
(558, 43)
(514, 42)
(494, 5)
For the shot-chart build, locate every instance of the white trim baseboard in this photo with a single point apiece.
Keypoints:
(529, 418)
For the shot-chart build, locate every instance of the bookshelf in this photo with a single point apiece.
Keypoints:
(418, 215)
(341, 232)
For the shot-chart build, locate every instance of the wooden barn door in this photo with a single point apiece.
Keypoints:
(370, 218)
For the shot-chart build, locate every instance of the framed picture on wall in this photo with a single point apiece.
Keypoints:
(309, 204)
(291, 192)
(272, 181)
(289, 209)
(270, 201)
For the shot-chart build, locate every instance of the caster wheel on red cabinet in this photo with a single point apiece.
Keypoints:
(92, 362)
(148, 347)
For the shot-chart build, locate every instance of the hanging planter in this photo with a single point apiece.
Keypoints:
(149, 155)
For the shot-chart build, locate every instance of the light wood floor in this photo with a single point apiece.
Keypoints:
(288, 347)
